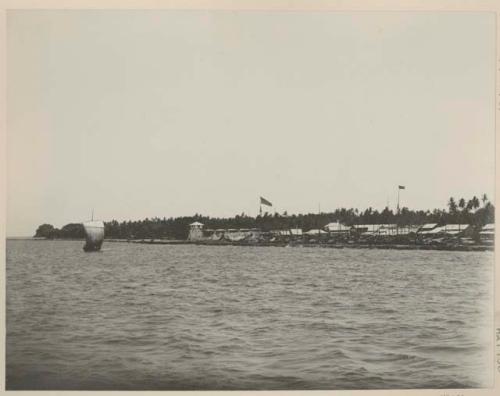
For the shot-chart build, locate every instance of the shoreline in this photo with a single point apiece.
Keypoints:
(461, 248)
(387, 246)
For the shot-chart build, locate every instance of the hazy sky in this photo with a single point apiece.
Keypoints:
(165, 113)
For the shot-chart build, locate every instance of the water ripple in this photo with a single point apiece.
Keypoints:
(190, 317)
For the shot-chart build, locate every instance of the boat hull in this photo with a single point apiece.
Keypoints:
(92, 247)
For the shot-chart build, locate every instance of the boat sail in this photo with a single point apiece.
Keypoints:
(94, 233)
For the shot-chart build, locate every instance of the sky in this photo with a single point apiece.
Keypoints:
(140, 114)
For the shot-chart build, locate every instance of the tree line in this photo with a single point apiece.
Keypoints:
(474, 211)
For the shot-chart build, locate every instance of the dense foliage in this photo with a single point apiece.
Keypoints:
(475, 211)
(69, 231)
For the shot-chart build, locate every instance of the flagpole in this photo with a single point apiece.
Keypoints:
(397, 223)
(398, 199)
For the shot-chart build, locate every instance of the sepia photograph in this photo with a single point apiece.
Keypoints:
(249, 199)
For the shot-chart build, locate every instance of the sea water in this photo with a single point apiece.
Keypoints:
(221, 317)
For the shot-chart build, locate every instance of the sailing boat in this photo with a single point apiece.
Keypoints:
(94, 234)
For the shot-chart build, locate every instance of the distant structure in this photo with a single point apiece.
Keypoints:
(450, 230)
(315, 231)
(337, 228)
(232, 234)
(370, 229)
(427, 228)
(487, 233)
(195, 231)
(296, 231)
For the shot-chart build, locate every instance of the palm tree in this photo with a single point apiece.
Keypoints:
(475, 202)
(452, 205)
(484, 199)
(461, 205)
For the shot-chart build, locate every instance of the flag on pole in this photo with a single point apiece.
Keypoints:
(264, 201)
(402, 187)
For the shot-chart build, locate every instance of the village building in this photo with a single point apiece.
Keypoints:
(426, 228)
(366, 229)
(337, 228)
(195, 231)
(487, 232)
(280, 232)
(407, 229)
(315, 232)
(450, 230)
(384, 229)
(217, 234)
(289, 232)
(388, 229)
(235, 234)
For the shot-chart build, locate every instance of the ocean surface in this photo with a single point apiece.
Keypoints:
(246, 318)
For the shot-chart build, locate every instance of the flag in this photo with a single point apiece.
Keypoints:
(402, 187)
(264, 201)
